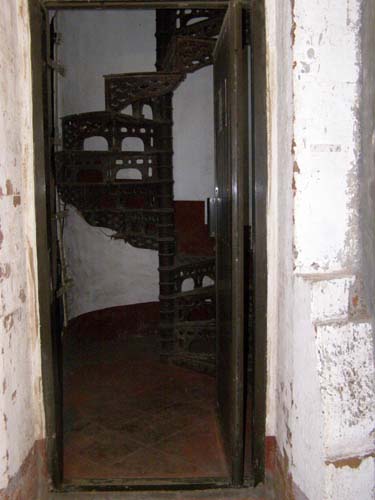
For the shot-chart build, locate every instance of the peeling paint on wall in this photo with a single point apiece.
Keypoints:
(21, 422)
(319, 326)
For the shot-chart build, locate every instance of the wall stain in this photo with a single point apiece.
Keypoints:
(358, 309)
(296, 168)
(294, 24)
(294, 187)
(5, 272)
(9, 187)
(8, 322)
(352, 462)
(16, 200)
(22, 295)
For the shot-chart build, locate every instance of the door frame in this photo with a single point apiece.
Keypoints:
(50, 379)
(259, 233)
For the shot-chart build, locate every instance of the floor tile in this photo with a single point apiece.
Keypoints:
(138, 418)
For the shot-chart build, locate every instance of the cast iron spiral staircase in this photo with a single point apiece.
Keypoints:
(140, 210)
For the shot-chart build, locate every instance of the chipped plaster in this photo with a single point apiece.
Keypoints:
(321, 366)
(21, 422)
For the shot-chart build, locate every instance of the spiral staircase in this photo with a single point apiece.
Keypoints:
(131, 192)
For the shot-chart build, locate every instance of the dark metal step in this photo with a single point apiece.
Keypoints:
(124, 183)
(206, 28)
(128, 88)
(113, 127)
(187, 54)
(183, 262)
(205, 292)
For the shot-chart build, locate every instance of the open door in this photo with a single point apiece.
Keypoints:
(43, 130)
(231, 201)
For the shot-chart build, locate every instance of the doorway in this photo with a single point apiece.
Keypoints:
(189, 374)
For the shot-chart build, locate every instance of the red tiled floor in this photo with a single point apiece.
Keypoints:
(128, 415)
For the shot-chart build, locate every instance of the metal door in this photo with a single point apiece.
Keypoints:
(231, 200)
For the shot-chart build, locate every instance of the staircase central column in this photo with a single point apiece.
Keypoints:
(167, 241)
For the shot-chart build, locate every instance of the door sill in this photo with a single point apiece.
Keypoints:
(156, 484)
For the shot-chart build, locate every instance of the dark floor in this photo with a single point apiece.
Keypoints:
(127, 415)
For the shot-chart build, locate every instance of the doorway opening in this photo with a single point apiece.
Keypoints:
(133, 256)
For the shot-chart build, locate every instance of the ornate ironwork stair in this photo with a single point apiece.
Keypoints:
(131, 192)
(121, 90)
(188, 54)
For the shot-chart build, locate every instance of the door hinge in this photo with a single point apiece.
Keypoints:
(246, 28)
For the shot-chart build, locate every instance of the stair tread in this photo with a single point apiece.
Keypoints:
(189, 53)
(144, 74)
(124, 89)
(129, 154)
(118, 182)
(128, 210)
(186, 260)
(196, 292)
(115, 115)
(212, 23)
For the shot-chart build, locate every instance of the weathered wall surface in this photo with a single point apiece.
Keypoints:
(321, 391)
(106, 272)
(21, 423)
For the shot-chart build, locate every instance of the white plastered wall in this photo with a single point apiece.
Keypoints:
(321, 368)
(107, 272)
(21, 422)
